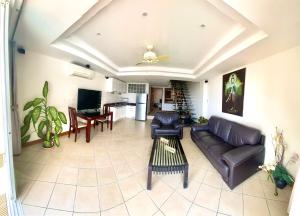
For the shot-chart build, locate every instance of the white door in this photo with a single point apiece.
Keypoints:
(7, 179)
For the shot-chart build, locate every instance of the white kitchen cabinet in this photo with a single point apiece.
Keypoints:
(115, 85)
(130, 112)
(119, 112)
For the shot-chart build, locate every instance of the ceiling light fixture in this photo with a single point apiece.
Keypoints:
(144, 14)
(202, 25)
(99, 34)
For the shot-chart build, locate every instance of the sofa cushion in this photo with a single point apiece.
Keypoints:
(167, 130)
(167, 118)
(199, 134)
(213, 124)
(224, 129)
(208, 141)
(240, 135)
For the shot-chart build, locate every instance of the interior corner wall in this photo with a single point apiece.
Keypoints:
(271, 99)
(33, 69)
(196, 94)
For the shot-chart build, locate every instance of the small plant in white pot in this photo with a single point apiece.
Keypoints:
(46, 120)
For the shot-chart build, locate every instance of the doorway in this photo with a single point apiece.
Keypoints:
(155, 100)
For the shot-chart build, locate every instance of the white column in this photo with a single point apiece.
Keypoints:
(205, 100)
(294, 207)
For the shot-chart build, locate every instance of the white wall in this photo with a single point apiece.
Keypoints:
(272, 99)
(33, 69)
(196, 94)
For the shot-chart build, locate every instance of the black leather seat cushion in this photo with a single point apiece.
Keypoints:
(208, 141)
(200, 134)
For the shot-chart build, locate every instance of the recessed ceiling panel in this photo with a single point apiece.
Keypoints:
(121, 32)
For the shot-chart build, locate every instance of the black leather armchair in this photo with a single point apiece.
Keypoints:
(235, 150)
(166, 123)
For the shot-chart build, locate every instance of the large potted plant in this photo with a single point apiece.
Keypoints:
(46, 120)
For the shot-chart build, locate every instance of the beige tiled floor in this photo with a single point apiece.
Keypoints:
(108, 177)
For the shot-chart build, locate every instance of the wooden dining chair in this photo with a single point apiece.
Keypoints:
(75, 126)
(102, 120)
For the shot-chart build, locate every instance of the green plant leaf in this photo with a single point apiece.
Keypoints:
(25, 139)
(41, 126)
(27, 118)
(58, 129)
(36, 112)
(37, 101)
(45, 89)
(48, 136)
(58, 123)
(41, 135)
(24, 129)
(62, 117)
(28, 105)
(53, 112)
(56, 140)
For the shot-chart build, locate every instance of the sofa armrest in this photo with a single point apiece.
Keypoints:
(155, 124)
(199, 127)
(239, 155)
(177, 125)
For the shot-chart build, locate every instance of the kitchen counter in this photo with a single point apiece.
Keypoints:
(119, 104)
(122, 110)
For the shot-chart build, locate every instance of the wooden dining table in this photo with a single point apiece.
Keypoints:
(89, 120)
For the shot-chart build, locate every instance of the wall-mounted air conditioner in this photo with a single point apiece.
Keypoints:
(79, 71)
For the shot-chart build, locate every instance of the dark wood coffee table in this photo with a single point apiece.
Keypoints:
(165, 162)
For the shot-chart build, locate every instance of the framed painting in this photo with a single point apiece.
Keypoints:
(233, 92)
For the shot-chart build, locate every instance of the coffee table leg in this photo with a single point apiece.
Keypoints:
(186, 176)
(149, 178)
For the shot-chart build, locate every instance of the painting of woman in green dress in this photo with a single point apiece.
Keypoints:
(233, 92)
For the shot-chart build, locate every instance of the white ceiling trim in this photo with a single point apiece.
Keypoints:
(76, 52)
(245, 44)
(243, 35)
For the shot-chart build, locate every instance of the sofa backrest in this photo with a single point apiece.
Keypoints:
(234, 133)
(220, 127)
(167, 117)
(240, 135)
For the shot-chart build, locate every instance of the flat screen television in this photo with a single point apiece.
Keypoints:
(88, 99)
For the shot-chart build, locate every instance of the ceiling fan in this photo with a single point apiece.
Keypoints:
(150, 57)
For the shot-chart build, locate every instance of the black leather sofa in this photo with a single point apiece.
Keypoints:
(234, 150)
(166, 123)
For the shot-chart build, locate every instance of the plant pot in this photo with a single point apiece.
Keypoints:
(280, 183)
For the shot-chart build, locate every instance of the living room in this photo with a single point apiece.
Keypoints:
(231, 62)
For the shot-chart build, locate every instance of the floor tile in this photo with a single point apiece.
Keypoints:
(39, 194)
(87, 177)
(86, 199)
(255, 206)
(200, 211)
(106, 175)
(208, 197)
(53, 212)
(86, 214)
(190, 192)
(160, 192)
(277, 208)
(68, 175)
(213, 179)
(129, 187)
(231, 203)
(119, 210)
(63, 197)
(141, 204)
(49, 173)
(33, 211)
(110, 196)
(253, 187)
(176, 205)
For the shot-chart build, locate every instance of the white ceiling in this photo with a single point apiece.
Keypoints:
(237, 32)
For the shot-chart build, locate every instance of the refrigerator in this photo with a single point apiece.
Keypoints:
(141, 107)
